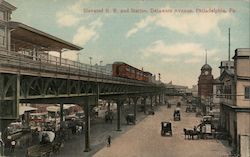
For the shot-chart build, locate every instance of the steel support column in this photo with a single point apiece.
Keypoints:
(155, 100)
(61, 114)
(88, 102)
(129, 102)
(135, 106)
(109, 105)
(144, 103)
(151, 102)
(119, 104)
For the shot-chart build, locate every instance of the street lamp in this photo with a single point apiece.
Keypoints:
(90, 58)
(101, 66)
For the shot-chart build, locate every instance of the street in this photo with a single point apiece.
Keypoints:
(145, 140)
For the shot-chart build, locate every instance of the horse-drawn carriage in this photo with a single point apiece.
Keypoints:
(130, 118)
(47, 147)
(169, 105)
(178, 104)
(151, 112)
(191, 108)
(109, 116)
(166, 128)
(177, 115)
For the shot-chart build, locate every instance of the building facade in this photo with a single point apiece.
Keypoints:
(205, 83)
(235, 104)
(205, 88)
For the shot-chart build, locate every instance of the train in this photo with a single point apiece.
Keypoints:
(121, 69)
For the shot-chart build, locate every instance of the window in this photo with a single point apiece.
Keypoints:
(247, 92)
(2, 35)
(228, 92)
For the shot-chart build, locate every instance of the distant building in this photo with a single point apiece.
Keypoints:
(194, 90)
(217, 85)
(235, 103)
(226, 65)
(205, 87)
(205, 83)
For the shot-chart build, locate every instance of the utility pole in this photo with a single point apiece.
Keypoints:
(229, 44)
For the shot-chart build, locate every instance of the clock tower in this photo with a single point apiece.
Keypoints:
(205, 82)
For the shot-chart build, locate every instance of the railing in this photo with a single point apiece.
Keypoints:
(51, 63)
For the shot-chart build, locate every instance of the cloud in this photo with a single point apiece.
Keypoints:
(72, 15)
(170, 60)
(86, 33)
(197, 23)
(83, 35)
(193, 61)
(66, 19)
(141, 24)
(171, 53)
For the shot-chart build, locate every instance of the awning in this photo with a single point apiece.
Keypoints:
(23, 36)
(53, 108)
(23, 109)
(57, 108)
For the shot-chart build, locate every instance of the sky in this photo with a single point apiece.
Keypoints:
(172, 43)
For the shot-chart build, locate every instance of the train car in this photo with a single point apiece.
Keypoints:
(121, 69)
(147, 76)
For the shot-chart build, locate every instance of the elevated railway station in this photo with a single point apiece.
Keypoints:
(29, 74)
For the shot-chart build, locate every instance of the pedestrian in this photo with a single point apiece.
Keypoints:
(195, 128)
(13, 144)
(109, 141)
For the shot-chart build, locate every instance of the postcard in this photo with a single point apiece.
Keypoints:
(125, 78)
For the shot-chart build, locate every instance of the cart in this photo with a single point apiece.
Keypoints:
(166, 128)
(177, 115)
(130, 118)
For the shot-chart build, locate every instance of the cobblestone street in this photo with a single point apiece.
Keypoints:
(145, 140)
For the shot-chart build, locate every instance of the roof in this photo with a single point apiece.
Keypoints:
(226, 73)
(206, 66)
(217, 81)
(242, 53)
(25, 36)
(22, 109)
(7, 5)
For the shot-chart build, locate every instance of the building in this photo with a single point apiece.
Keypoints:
(194, 90)
(5, 16)
(205, 87)
(235, 103)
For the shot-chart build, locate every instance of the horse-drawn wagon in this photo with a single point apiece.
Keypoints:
(47, 147)
(109, 116)
(130, 118)
(177, 115)
(166, 128)
(190, 108)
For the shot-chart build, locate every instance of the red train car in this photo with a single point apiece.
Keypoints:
(121, 69)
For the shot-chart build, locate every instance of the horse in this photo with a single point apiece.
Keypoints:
(188, 133)
(191, 133)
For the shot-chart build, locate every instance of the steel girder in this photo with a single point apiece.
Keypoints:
(37, 87)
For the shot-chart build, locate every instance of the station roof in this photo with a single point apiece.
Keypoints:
(7, 5)
(24, 36)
